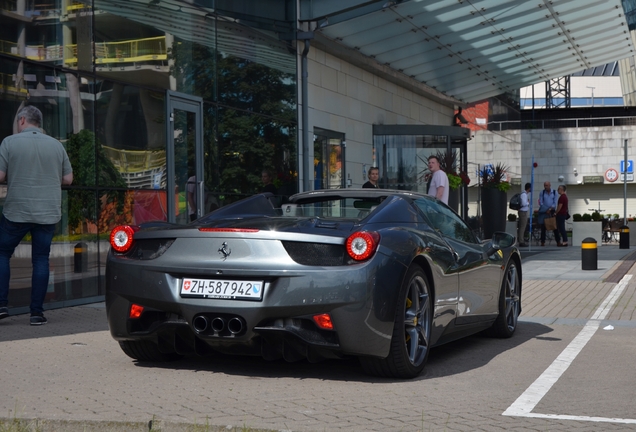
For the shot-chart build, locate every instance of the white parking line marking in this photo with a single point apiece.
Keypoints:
(524, 405)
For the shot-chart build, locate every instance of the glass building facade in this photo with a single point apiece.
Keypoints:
(166, 108)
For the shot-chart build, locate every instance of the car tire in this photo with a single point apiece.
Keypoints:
(146, 351)
(413, 320)
(509, 303)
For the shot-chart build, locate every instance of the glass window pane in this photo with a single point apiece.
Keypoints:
(248, 144)
(403, 160)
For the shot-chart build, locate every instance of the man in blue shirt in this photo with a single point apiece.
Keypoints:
(548, 199)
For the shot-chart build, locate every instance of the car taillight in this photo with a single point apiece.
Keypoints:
(135, 311)
(362, 244)
(323, 321)
(121, 237)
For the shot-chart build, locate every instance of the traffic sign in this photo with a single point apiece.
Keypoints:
(630, 166)
(611, 175)
(630, 177)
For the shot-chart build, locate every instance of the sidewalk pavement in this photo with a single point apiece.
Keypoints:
(64, 382)
(556, 290)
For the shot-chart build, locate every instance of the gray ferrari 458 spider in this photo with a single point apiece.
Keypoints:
(382, 275)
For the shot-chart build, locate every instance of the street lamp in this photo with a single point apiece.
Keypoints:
(592, 93)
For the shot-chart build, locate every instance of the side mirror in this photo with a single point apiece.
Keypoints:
(500, 240)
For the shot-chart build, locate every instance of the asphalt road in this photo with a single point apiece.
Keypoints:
(568, 367)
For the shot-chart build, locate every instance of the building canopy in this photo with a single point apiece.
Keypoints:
(470, 50)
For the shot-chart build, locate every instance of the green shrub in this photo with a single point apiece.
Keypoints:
(596, 216)
(512, 217)
(576, 217)
(586, 217)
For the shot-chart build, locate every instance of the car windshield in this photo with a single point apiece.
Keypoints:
(340, 208)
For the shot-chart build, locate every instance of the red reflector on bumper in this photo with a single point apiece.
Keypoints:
(135, 311)
(323, 321)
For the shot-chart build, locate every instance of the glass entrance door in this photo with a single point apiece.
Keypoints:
(184, 157)
(329, 159)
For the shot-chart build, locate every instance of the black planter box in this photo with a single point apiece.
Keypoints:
(494, 204)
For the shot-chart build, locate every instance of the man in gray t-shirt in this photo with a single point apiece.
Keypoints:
(34, 166)
(439, 183)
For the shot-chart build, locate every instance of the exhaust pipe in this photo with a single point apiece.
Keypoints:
(200, 323)
(218, 324)
(235, 325)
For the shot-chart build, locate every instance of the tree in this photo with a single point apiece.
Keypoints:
(92, 170)
(255, 121)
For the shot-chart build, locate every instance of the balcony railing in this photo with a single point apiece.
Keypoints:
(7, 82)
(131, 51)
(43, 7)
(562, 123)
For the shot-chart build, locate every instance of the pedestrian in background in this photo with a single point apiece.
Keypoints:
(547, 206)
(374, 175)
(191, 196)
(267, 178)
(562, 214)
(438, 186)
(523, 214)
(35, 166)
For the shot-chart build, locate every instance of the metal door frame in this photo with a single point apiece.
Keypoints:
(193, 104)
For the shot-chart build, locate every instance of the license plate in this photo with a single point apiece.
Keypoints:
(222, 289)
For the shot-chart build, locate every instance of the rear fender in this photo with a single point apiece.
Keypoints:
(406, 247)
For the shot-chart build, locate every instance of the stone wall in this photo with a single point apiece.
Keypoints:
(348, 99)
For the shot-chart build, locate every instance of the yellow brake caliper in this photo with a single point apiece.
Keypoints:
(408, 306)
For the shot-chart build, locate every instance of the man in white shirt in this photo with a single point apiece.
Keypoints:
(439, 182)
(523, 214)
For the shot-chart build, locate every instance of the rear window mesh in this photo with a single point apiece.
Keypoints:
(148, 249)
(317, 254)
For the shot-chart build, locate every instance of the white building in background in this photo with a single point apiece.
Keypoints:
(595, 87)
(582, 148)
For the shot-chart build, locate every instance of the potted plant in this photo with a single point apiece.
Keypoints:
(494, 198)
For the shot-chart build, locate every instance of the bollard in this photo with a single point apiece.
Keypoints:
(624, 237)
(589, 254)
(81, 257)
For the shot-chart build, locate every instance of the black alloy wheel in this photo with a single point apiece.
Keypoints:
(509, 303)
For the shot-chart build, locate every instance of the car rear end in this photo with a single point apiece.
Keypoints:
(276, 287)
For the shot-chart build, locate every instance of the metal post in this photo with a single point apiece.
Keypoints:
(625, 187)
(531, 205)
(479, 199)
(304, 163)
(589, 254)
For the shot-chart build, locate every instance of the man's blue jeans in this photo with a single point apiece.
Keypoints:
(11, 234)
